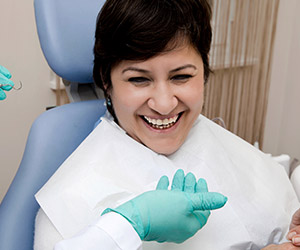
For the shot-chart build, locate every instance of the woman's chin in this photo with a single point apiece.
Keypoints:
(164, 149)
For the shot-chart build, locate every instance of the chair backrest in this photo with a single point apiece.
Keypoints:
(52, 138)
(66, 32)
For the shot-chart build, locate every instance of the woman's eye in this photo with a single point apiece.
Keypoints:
(183, 77)
(138, 80)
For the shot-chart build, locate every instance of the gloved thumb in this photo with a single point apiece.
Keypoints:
(207, 200)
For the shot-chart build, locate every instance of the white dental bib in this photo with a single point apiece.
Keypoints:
(109, 168)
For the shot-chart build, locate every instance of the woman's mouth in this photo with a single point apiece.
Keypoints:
(162, 123)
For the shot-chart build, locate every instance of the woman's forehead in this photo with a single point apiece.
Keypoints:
(183, 53)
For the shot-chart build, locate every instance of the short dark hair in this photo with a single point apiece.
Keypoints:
(141, 29)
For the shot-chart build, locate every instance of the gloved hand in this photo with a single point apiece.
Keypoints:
(171, 215)
(5, 83)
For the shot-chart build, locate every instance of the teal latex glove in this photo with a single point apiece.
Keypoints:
(5, 83)
(171, 215)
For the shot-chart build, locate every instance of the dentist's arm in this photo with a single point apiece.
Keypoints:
(5, 83)
(111, 231)
(294, 233)
(283, 246)
(171, 215)
(160, 215)
(293, 236)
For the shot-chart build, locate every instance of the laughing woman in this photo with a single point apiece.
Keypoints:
(151, 60)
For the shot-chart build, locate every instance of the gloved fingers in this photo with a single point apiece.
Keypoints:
(163, 183)
(6, 84)
(4, 71)
(207, 201)
(201, 186)
(178, 180)
(189, 183)
(2, 95)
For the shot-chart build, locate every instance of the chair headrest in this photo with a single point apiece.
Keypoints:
(66, 30)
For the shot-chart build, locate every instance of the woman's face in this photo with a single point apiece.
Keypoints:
(158, 100)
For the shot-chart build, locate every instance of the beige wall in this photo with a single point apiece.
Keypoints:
(282, 131)
(21, 54)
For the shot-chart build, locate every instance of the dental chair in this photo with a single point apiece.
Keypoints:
(66, 33)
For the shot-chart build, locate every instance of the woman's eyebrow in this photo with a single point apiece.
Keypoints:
(147, 71)
(135, 69)
(183, 67)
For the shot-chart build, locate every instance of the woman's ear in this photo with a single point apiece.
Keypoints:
(105, 86)
(107, 89)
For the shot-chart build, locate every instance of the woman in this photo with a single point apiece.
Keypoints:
(151, 60)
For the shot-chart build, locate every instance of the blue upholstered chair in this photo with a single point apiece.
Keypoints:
(66, 33)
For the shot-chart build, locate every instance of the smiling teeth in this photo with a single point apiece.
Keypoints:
(161, 124)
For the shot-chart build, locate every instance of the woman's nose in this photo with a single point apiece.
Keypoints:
(163, 99)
